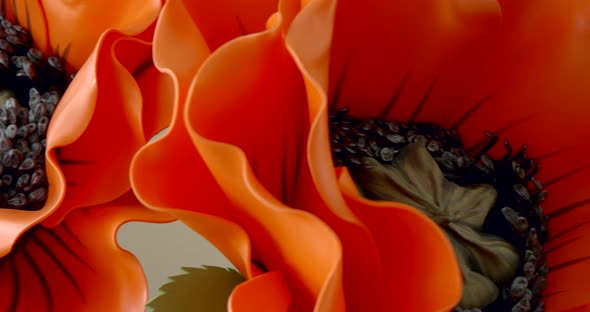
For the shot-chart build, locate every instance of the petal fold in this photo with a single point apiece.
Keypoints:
(77, 265)
(103, 104)
(72, 28)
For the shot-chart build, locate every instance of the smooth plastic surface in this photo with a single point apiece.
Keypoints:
(64, 257)
(77, 265)
(251, 133)
(71, 28)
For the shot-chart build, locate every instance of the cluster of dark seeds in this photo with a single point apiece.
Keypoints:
(30, 88)
(517, 215)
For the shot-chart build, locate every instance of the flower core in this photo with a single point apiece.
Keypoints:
(30, 88)
(489, 208)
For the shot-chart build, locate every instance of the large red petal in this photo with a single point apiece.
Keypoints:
(77, 265)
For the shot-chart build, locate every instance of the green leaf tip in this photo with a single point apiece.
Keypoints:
(198, 289)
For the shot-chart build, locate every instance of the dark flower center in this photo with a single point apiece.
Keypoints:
(489, 208)
(30, 88)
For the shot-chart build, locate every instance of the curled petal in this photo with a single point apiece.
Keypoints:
(103, 104)
(63, 269)
(416, 257)
(80, 171)
(72, 28)
(262, 211)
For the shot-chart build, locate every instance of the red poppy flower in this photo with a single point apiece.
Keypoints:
(53, 256)
(249, 152)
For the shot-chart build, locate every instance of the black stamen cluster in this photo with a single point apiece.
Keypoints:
(517, 215)
(30, 88)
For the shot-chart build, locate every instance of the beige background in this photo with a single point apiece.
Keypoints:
(163, 249)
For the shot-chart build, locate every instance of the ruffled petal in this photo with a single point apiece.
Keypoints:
(309, 264)
(72, 28)
(267, 292)
(63, 268)
(419, 268)
(103, 104)
(178, 67)
(157, 90)
(81, 172)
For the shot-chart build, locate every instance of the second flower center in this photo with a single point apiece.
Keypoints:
(30, 89)
(489, 208)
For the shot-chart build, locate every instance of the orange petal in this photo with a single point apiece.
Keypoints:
(157, 91)
(96, 128)
(309, 264)
(178, 67)
(77, 265)
(72, 28)
(266, 292)
(220, 21)
(416, 256)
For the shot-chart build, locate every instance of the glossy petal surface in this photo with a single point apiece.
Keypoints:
(522, 77)
(80, 171)
(64, 269)
(72, 28)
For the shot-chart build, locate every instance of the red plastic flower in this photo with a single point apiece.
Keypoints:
(63, 256)
(248, 156)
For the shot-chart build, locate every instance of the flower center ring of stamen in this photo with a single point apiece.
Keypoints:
(493, 220)
(30, 89)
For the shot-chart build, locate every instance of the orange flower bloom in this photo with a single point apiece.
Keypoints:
(251, 137)
(64, 256)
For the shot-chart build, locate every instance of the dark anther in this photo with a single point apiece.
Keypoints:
(5, 145)
(18, 201)
(11, 131)
(38, 195)
(524, 305)
(54, 62)
(12, 159)
(533, 171)
(522, 191)
(488, 146)
(508, 151)
(518, 169)
(386, 154)
(27, 164)
(6, 46)
(42, 125)
(521, 153)
(23, 181)
(37, 176)
(32, 85)
(518, 288)
(35, 55)
(541, 196)
(7, 180)
(434, 146)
